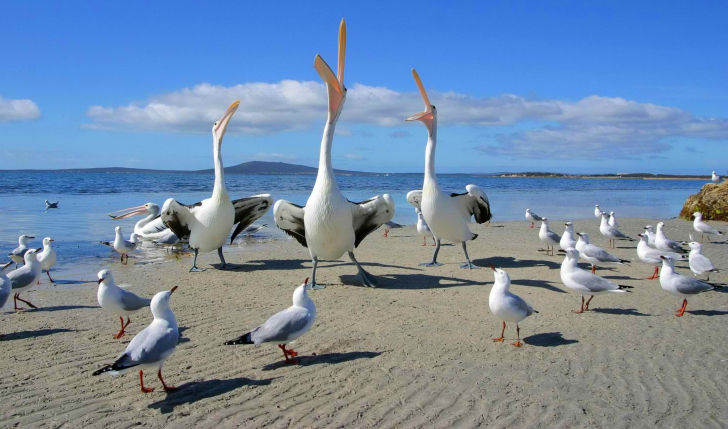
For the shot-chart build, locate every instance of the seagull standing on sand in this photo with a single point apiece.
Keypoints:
(152, 346)
(567, 240)
(506, 306)
(595, 255)
(715, 178)
(702, 227)
(664, 243)
(19, 252)
(700, 264)
(423, 229)
(47, 257)
(330, 225)
(651, 256)
(680, 286)
(122, 246)
(613, 220)
(118, 301)
(547, 236)
(6, 286)
(584, 282)
(611, 232)
(598, 212)
(25, 277)
(446, 215)
(285, 326)
(390, 225)
(650, 233)
(532, 217)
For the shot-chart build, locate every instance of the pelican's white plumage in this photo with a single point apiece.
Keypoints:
(507, 306)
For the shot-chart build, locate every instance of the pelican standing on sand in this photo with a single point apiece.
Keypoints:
(330, 225)
(447, 215)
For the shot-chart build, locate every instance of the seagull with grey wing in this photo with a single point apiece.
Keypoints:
(6, 286)
(18, 253)
(679, 285)
(150, 347)
(285, 326)
(532, 217)
(664, 243)
(610, 231)
(547, 236)
(699, 263)
(595, 255)
(390, 225)
(118, 301)
(25, 277)
(651, 256)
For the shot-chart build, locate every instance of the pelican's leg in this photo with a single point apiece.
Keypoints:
(469, 265)
(313, 274)
(434, 262)
(222, 258)
(364, 277)
(194, 268)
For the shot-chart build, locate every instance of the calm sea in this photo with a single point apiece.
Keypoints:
(85, 199)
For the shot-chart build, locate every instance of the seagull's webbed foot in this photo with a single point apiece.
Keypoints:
(517, 343)
(499, 339)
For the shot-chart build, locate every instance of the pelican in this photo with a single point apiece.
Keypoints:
(329, 224)
(149, 226)
(208, 223)
(446, 215)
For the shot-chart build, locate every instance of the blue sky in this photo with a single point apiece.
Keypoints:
(520, 86)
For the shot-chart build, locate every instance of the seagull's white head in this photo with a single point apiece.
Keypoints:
(219, 127)
(694, 245)
(668, 260)
(660, 225)
(47, 241)
(117, 229)
(583, 236)
(23, 239)
(528, 210)
(698, 215)
(160, 304)
(611, 213)
(649, 228)
(30, 256)
(105, 275)
(334, 82)
(501, 277)
(544, 221)
(596, 205)
(572, 253)
(429, 115)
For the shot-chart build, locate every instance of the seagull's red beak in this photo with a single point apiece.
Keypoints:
(173, 289)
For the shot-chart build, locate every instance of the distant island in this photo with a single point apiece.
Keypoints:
(263, 167)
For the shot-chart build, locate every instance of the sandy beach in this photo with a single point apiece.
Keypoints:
(416, 352)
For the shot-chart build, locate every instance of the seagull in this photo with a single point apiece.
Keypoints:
(19, 252)
(567, 240)
(152, 346)
(118, 301)
(532, 217)
(699, 264)
(6, 286)
(47, 257)
(611, 232)
(285, 326)
(715, 178)
(703, 228)
(122, 246)
(446, 215)
(507, 306)
(598, 212)
(664, 243)
(547, 236)
(651, 256)
(252, 229)
(650, 233)
(584, 282)
(50, 205)
(613, 220)
(330, 225)
(166, 238)
(681, 286)
(423, 229)
(595, 255)
(390, 225)
(26, 276)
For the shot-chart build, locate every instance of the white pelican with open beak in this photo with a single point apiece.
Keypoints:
(446, 214)
(147, 227)
(330, 225)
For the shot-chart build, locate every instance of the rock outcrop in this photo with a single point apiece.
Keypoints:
(711, 201)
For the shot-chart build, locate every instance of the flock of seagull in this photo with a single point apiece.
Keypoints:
(329, 226)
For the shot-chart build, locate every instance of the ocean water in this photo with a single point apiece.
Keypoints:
(81, 220)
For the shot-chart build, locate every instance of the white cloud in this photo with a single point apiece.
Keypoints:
(568, 129)
(18, 110)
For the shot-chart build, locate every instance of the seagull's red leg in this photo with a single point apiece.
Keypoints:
(681, 311)
(424, 240)
(654, 275)
(532, 225)
(289, 352)
(582, 306)
(141, 383)
(15, 301)
(518, 337)
(49, 276)
(121, 331)
(164, 385)
(500, 339)
(594, 269)
(587, 303)
(22, 300)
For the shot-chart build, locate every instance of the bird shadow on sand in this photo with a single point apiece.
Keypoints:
(330, 358)
(21, 335)
(412, 281)
(189, 393)
(506, 262)
(537, 283)
(62, 308)
(548, 339)
(71, 282)
(621, 311)
(182, 339)
(619, 277)
(695, 312)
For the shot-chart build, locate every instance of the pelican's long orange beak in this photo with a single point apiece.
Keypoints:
(428, 115)
(133, 211)
(334, 82)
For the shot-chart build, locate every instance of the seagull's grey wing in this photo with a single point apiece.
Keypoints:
(674, 245)
(691, 286)
(281, 325)
(553, 236)
(178, 217)
(289, 218)
(19, 252)
(392, 225)
(415, 198)
(701, 264)
(536, 217)
(148, 346)
(21, 277)
(131, 302)
(592, 282)
(248, 210)
(600, 254)
(521, 304)
(618, 234)
(4, 290)
(474, 202)
(371, 214)
(707, 229)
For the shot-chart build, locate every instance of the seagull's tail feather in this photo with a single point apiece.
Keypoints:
(245, 339)
(114, 368)
(624, 261)
(106, 243)
(623, 288)
(474, 237)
